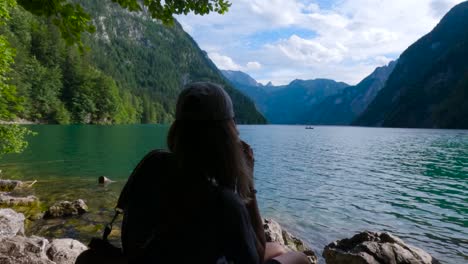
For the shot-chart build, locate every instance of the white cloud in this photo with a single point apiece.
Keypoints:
(308, 51)
(224, 62)
(440, 7)
(344, 40)
(312, 7)
(188, 28)
(382, 60)
(227, 63)
(253, 65)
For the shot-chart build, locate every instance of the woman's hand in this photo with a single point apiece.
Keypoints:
(249, 156)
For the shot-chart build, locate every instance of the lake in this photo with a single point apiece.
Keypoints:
(322, 184)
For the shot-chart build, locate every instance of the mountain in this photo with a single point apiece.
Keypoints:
(285, 104)
(241, 78)
(132, 72)
(343, 108)
(429, 86)
(156, 59)
(249, 86)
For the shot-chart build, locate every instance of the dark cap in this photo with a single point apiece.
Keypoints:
(204, 101)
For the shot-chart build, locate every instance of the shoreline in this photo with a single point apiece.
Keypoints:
(340, 250)
(21, 121)
(29, 122)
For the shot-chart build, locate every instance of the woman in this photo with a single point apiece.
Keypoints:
(197, 202)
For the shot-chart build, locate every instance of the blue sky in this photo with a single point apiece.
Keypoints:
(283, 40)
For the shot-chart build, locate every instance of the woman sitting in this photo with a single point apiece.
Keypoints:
(197, 203)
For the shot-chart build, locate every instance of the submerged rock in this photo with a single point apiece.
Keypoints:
(375, 248)
(9, 185)
(66, 208)
(104, 180)
(11, 223)
(275, 233)
(10, 201)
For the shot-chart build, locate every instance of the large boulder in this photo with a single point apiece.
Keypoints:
(38, 250)
(11, 223)
(275, 233)
(23, 250)
(375, 248)
(15, 248)
(66, 208)
(65, 250)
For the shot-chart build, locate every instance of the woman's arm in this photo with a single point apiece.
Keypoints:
(252, 206)
(257, 224)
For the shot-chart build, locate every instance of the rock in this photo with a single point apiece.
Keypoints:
(7, 200)
(9, 185)
(375, 248)
(275, 233)
(23, 250)
(11, 223)
(65, 250)
(104, 180)
(15, 248)
(66, 208)
(38, 250)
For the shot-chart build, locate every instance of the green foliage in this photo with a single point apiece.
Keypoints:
(12, 139)
(153, 61)
(9, 102)
(132, 76)
(163, 10)
(5, 5)
(134, 80)
(11, 136)
(70, 18)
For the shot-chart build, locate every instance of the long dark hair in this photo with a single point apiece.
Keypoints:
(211, 151)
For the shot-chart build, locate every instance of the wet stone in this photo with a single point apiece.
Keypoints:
(66, 208)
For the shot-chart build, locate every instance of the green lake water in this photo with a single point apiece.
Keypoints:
(323, 184)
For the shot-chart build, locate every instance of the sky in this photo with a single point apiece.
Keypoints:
(283, 40)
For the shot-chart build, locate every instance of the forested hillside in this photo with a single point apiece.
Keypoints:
(429, 85)
(131, 71)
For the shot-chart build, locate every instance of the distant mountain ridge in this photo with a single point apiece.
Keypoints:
(240, 78)
(429, 85)
(340, 105)
(285, 104)
(344, 107)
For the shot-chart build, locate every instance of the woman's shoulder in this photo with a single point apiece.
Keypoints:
(155, 157)
(158, 154)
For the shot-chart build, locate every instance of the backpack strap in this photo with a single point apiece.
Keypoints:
(109, 226)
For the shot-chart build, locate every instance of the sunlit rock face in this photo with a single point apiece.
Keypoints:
(375, 248)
